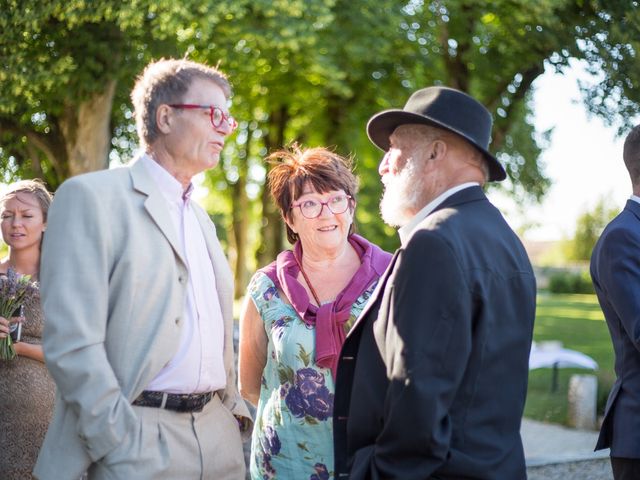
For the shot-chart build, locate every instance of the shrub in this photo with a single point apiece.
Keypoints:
(570, 282)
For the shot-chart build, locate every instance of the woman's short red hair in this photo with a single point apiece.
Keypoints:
(294, 167)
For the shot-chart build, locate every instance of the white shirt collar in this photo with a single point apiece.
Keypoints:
(170, 187)
(407, 230)
(635, 198)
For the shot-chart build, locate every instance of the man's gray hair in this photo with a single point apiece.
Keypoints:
(166, 81)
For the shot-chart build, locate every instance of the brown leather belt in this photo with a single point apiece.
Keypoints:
(178, 402)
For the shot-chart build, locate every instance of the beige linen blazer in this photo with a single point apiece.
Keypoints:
(113, 293)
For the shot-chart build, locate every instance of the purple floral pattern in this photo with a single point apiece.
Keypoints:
(321, 472)
(309, 396)
(293, 436)
(270, 447)
(270, 442)
(280, 325)
(269, 293)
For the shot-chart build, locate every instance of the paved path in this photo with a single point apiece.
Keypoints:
(549, 443)
(598, 469)
(554, 452)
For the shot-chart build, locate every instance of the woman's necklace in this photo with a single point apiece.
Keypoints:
(306, 279)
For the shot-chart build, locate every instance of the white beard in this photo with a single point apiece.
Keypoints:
(401, 197)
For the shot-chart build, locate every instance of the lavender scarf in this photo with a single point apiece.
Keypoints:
(329, 318)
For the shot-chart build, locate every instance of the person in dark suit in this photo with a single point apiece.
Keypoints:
(615, 272)
(432, 378)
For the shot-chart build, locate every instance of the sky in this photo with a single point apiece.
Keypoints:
(584, 160)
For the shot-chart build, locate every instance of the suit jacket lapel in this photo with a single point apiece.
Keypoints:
(377, 292)
(155, 204)
(471, 194)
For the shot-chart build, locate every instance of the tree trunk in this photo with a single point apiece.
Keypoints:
(272, 230)
(240, 220)
(87, 133)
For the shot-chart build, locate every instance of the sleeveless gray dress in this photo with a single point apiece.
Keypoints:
(26, 402)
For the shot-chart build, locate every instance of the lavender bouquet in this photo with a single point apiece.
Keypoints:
(15, 290)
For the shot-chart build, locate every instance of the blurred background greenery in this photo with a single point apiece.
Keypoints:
(314, 71)
(311, 71)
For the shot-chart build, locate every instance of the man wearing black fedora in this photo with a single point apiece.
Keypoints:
(432, 378)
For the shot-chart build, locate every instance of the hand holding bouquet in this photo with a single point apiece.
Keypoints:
(15, 290)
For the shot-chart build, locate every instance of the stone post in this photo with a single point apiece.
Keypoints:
(582, 401)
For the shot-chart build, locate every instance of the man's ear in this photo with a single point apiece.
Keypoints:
(438, 149)
(164, 118)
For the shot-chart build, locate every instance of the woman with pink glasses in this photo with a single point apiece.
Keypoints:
(298, 311)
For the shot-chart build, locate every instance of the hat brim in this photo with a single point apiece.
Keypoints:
(382, 125)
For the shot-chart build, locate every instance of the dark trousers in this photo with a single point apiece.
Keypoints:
(625, 468)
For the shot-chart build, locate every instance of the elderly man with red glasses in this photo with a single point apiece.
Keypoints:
(137, 296)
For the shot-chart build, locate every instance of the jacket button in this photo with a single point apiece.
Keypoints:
(178, 321)
(181, 279)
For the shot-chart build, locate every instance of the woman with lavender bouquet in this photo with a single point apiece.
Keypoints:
(26, 389)
(298, 311)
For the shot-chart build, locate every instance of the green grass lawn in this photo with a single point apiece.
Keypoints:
(578, 322)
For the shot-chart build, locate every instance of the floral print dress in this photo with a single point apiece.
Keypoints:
(293, 433)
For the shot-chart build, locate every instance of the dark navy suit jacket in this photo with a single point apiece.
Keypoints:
(615, 271)
(432, 378)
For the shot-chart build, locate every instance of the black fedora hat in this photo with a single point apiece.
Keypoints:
(442, 107)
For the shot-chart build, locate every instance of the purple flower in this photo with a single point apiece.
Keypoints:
(15, 291)
(309, 381)
(12, 278)
(270, 293)
(309, 396)
(270, 442)
(320, 404)
(321, 472)
(269, 471)
(296, 403)
(279, 325)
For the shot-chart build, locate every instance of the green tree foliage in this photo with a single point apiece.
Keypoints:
(311, 71)
(610, 43)
(64, 64)
(589, 226)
